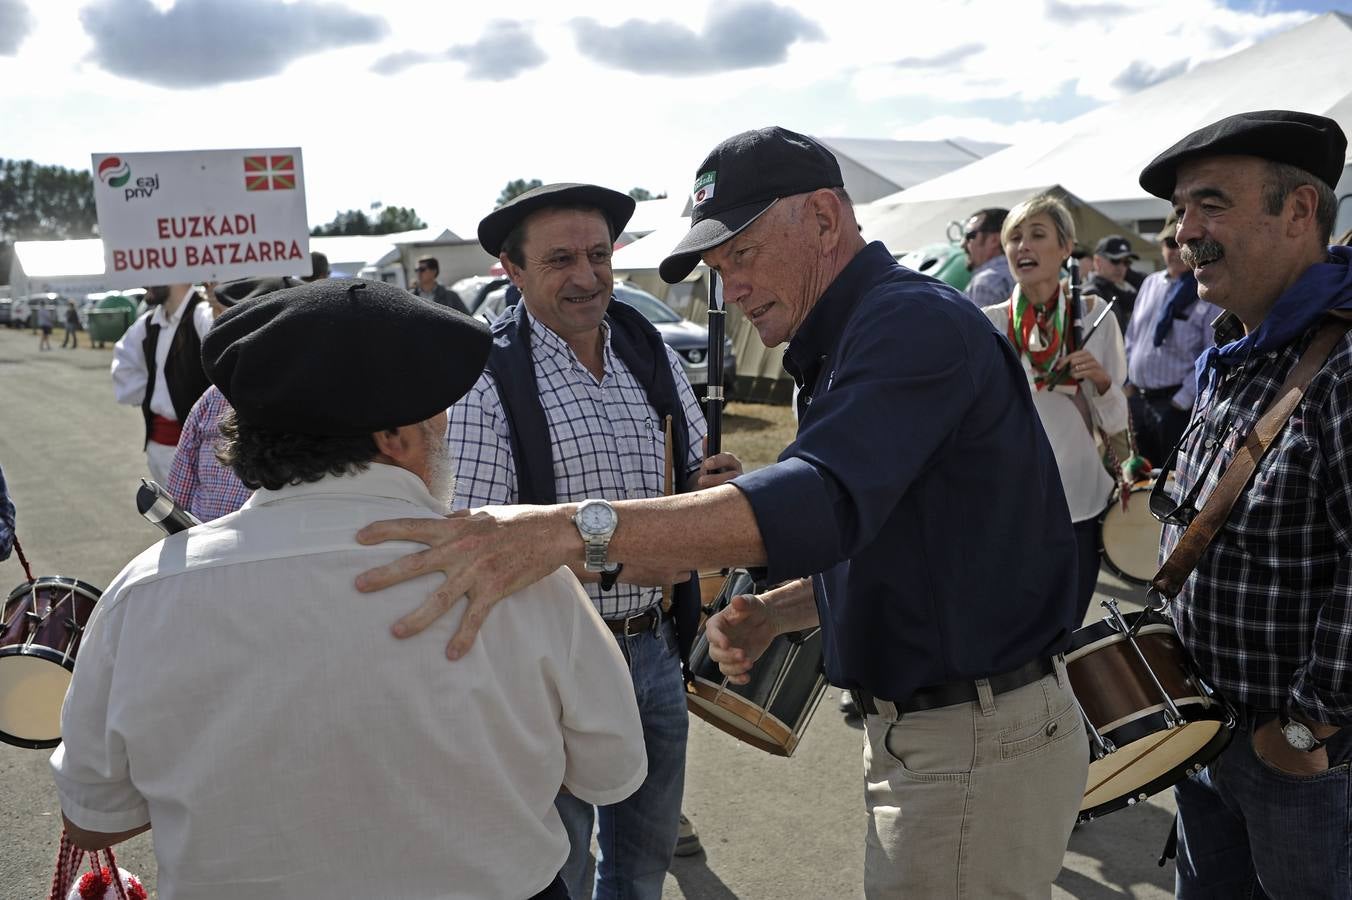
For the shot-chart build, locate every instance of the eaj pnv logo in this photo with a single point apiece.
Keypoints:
(114, 172)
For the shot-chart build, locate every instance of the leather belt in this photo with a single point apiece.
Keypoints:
(956, 692)
(648, 620)
(1160, 393)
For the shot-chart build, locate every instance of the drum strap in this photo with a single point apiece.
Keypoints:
(1169, 580)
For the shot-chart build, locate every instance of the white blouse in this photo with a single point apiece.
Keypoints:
(1078, 452)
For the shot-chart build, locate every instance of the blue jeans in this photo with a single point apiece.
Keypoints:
(637, 836)
(1246, 830)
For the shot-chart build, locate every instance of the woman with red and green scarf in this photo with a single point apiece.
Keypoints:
(1077, 390)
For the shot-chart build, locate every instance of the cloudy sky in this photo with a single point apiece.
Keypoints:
(438, 105)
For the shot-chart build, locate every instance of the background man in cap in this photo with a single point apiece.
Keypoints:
(1268, 612)
(945, 588)
(198, 481)
(237, 693)
(427, 269)
(158, 366)
(570, 407)
(1169, 329)
(1108, 277)
(991, 281)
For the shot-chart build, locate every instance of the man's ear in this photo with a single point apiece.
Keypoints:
(828, 213)
(394, 443)
(514, 272)
(1302, 210)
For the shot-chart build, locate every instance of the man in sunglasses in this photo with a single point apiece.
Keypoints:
(1267, 613)
(429, 289)
(991, 281)
(1170, 328)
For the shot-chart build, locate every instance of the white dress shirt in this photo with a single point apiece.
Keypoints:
(236, 691)
(129, 359)
(1086, 482)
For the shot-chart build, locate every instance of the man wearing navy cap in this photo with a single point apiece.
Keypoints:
(237, 694)
(571, 408)
(1112, 262)
(918, 518)
(1267, 614)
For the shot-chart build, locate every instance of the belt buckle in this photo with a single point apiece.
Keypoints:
(628, 620)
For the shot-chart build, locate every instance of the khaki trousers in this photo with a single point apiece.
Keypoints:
(975, 800)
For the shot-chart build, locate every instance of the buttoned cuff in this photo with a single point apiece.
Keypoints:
(795, 511)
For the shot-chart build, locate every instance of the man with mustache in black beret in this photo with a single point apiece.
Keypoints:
(236, 692)
(1267, 614)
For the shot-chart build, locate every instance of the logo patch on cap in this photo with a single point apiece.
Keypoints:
(704, 188)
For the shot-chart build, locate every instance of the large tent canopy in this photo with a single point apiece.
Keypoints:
(1098, 156)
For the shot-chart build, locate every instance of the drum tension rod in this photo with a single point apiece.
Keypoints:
(1171, 713)
(1102, 746)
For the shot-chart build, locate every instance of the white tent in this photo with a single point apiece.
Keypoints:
(1099, 155)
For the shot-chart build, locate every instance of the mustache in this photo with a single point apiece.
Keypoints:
(1200, 252)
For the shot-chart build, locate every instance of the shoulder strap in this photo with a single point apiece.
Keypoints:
(513, 371)
(1169, 580)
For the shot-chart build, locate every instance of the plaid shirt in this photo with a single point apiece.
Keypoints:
(1267, 615)
(197, 480)
(607, 441)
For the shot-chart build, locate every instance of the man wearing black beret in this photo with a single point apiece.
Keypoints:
(918, 518)
(236, 692)
(571, 407)
(1267, 614)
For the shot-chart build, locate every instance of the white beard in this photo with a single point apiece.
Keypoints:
(440, 473)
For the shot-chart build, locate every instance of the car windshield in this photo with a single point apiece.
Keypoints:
(653, 310)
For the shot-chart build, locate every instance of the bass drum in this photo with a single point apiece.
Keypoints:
(1129, 540)
(771, 711)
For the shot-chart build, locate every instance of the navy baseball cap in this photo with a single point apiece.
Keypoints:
(739, 180)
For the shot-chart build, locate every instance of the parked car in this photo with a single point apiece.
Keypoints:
(16, 312)
(690, 341)
(475, 288)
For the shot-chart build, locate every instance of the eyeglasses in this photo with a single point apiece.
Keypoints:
(1164, 508)
(422, 268)
(970, 236)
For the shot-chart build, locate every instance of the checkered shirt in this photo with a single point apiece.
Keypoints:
(197, 480)
(1267, 615)
(607, 442)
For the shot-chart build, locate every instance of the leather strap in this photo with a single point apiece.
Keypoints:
(1169, 580)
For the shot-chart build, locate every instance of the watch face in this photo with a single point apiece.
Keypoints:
(596, 518)
(1298, 736)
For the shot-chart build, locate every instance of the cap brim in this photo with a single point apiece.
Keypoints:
(706, 235)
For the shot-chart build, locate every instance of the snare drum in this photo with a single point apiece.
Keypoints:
(1151, 720)
(1129, 540)
(40, 630)
(771, 711)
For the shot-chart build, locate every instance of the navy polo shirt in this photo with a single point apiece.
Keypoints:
(921, 491)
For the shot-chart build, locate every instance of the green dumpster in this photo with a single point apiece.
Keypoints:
(110, 319)
(946, 262)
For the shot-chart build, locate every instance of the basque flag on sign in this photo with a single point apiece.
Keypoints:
(269, 173)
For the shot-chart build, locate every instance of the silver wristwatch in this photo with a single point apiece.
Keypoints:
(596, 521)
(1298, 734)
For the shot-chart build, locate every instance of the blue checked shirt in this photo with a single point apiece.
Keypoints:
(1267, 615)
(1173, 362)
(608, 442)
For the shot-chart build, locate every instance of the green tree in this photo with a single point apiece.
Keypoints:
(355, 221)
(517, 188)
(40, 202)
(641, 194)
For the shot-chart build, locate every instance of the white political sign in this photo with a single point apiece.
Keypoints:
(201, 215)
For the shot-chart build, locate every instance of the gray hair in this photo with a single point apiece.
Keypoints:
(1042, 203)
(1283, 178)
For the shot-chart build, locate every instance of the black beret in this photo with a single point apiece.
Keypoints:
(228, 293)
(342, 358)
(1304, 140)
(495, 227)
